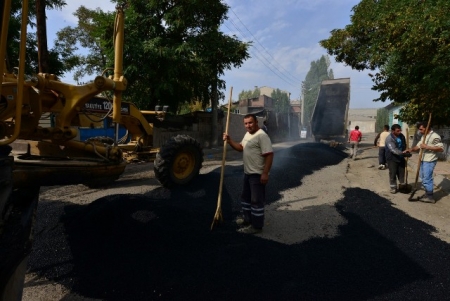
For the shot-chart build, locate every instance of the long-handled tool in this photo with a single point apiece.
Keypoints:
(218, 216)
(420, 160)
(406, 188)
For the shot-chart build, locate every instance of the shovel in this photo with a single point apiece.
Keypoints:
(420, 162)
(406, 188)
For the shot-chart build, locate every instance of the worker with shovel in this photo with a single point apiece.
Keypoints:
(430, 145)
(396, 152)
(258, 157)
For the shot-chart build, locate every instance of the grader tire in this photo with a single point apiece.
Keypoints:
(16, 241)
(179, 161)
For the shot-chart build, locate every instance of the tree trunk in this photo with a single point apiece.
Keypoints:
(214, 119)
(41, 24)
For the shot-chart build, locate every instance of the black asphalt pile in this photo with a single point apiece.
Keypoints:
(159, 246)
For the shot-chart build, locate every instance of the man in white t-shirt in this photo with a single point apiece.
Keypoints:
(432, 145)
(380, 141)
(258, 157)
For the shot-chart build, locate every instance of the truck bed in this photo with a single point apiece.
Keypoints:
(329, 119)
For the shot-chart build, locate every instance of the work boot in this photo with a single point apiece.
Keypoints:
(427, 198)
(250, 230)
(393, 190)
(242, 222)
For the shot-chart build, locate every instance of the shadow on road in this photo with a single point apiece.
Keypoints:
(159, 246)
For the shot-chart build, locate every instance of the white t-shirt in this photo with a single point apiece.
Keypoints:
(382, 141)
(255, 146)
(432, 139)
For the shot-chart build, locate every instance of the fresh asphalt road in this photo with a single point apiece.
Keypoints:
(138, 241)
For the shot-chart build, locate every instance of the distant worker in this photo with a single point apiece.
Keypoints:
(380, 141)
(354, 139)
(395, 157)
(433, 144)
(264, 127)
(258, 158)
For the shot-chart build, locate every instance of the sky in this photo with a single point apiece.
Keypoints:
(285, 39)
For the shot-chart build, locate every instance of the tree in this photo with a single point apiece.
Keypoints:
(282, 102)
(174, 53)
(406, 44)
(93, 29)
(249, 93)
(50, 59)
(282, 105)
(310, 86)
(382, 119)
(41, 29)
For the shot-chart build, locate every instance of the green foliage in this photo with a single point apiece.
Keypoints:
(12, 48)
(173, 53)
(249, 93)
(310, 87)
(282, 102)
(407, 45)
(382, 119)
(188, 107)
(92, 32)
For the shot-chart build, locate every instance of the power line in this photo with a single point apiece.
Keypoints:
(280, 74)
(268, 67)
(293, 77)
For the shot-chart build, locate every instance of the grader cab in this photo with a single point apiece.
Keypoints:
(50, 154)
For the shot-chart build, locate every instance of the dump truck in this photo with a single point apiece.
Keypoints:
(330, 114)
(51, 154)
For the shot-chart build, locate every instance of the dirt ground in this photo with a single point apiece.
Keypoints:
(308, 198)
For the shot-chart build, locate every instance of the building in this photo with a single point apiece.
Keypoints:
(256, 105)
(364, 118)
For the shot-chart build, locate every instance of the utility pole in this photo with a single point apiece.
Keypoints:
(289, 114)
(303, 104)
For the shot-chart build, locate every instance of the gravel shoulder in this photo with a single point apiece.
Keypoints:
(363, 173)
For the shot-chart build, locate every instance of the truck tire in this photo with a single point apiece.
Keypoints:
(16, 241)
(178, 161)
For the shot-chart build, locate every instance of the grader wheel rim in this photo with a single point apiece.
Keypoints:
(183, 165)
(178, 161)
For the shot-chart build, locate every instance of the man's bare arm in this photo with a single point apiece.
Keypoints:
(268, 159)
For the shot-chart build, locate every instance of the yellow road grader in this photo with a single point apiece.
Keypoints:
(51, 155)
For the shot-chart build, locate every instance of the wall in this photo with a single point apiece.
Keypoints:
(366, 126)
(255, 104)
(200, 131)
(236, 128)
